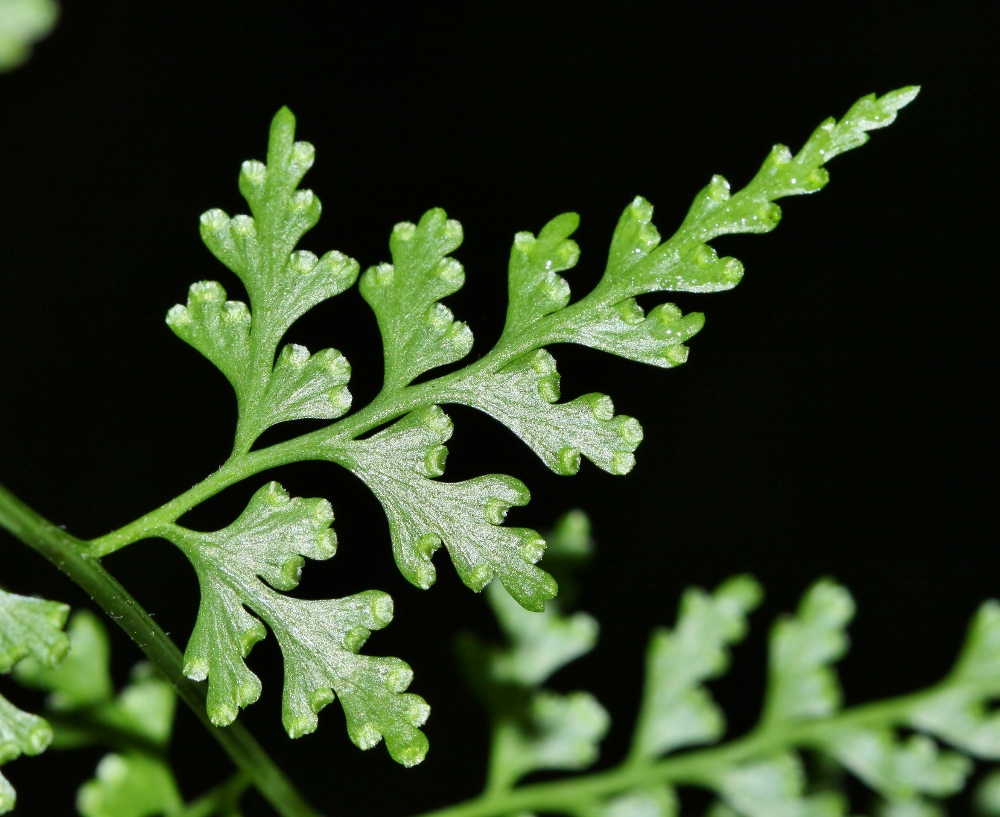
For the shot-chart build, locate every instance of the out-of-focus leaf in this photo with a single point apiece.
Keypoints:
(677, 710)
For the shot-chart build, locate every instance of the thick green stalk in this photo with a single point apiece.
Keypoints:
(694, 768)
(70, 555)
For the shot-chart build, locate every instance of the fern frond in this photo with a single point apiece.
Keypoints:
(396, 444)
(912, 751)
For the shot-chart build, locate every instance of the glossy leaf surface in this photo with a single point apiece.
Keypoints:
(238, 569)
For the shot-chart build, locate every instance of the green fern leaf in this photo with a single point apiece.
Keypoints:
(802, 685)
(535, 290)
(82, 679)
(29, 628)
(396, 445)
(304, 386)
(900, 770)
(638, 263)
(625, 329)
(716, 213)
(132, 785)
(418, 332)
(319, 641)
(146, 706)
(216, 327)
(517, 382)
(21, 733)
(523, 397)
(558, 732)
(539, 643)
(776, 788)
(677, 711)
(960, 713)
(652, 801)
(400, 466)
(282, 283)
(237, 568)
(535, 729)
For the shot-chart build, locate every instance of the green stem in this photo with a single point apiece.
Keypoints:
(701, 768)
(70, 555)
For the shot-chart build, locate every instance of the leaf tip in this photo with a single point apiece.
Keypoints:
(382, 609)
(283, 123)
(745, 589)
(412, 754)
(902, 97)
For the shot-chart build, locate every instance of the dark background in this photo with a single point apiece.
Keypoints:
(835, 417)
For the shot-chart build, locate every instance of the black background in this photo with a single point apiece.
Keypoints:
(835, 417)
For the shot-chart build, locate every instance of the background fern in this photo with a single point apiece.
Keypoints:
(832, 414)
(898, 747)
